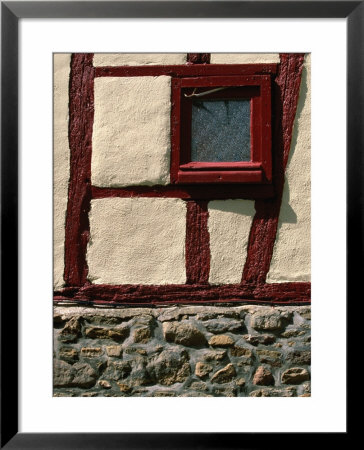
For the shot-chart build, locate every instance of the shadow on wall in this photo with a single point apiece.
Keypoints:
(300, 106)
(246, 207)
(287, 214)
(237, 206)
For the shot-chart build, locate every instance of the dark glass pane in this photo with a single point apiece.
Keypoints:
(220, 130)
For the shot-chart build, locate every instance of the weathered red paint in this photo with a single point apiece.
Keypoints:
(198, 58)
(229, 80)
(220, 176)
(187, 70)
(256, 88)
(264, 227)
(194, 165)
(81, 115)
(189, 293)
(186, 192)
(197, 243)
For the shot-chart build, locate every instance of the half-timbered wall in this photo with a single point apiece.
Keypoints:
(119, 221)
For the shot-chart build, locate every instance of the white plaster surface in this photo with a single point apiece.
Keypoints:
(138, 59)
(229, 226)
(244, 58)
(61, 156)
(131, 132)
(291, 259)
(137, 241)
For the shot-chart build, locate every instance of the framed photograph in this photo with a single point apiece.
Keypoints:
(158, 329)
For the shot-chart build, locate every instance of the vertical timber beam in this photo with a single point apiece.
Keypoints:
(265, 223)
(197, 235)
(81, 116)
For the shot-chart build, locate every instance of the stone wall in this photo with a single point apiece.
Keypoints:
(188, 351)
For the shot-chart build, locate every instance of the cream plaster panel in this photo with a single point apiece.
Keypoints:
(61, 154)
(291, 259)
(229, 226)
(131, 132)
(138, 59)
(244, 58)
(137, 241)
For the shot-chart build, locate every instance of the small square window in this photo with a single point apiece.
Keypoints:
(221, 129)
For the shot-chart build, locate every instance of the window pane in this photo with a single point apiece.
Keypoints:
(220, 130)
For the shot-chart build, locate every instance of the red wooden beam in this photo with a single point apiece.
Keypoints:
(81, 115)
(197, 243)
(264, 227)
(188, 70)
(277, 293)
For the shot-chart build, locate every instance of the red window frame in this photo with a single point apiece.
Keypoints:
(257, 171)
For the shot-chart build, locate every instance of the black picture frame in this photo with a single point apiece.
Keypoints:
(11, 12)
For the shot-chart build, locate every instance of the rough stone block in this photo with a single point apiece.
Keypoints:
(104, 384)
(117, 370)
(225, 391)
(263, 377)
(270, 357)
(198, 386)
(217, 355)
(170, 366)
(142, 335)
(116, 334)
(91, 352)
(203, 369)
(299, 357)
(78, 375)
(114, 351)
(133, 350)
(240, 382)
(224, 375)
(238, 350)
(273, 392)
(264, 339)
(125, 387)
(292, 333)
(221, 340)
(295, 375)
(72, 330)
(184, 333)
(270, 319)
(140, 376)
(68, 354)
(201, 312)
(222, 326)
